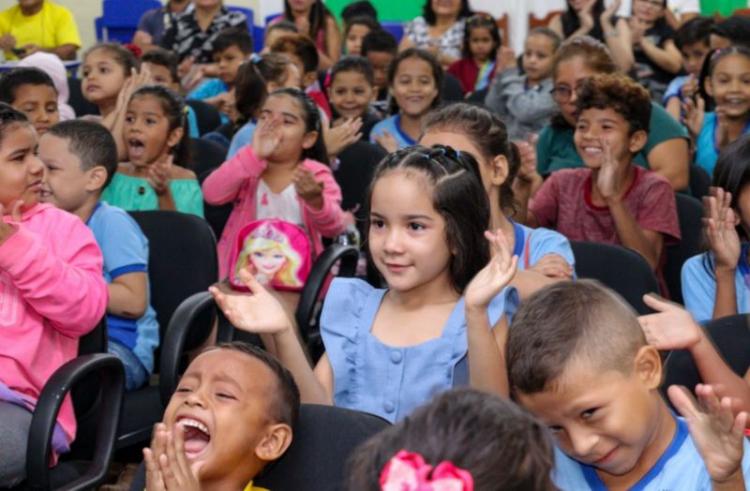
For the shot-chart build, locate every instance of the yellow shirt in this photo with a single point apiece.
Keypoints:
(49, 28)
(250, 487)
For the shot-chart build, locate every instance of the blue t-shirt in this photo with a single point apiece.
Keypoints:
(679, 468)
(244, 136)
(706, 148)
(208, 89)
(125, 250)
(532, 244)
(192, 123)
(699, 285)
(674, 89)
(392, 125)
(390, 381)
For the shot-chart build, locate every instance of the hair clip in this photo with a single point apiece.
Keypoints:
(255, 58)
(407, 471)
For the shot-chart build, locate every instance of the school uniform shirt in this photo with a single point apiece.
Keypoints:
(207, 89)
(136, 194)
(388, 381)
(706, 146)
(53, 26)
(674, 89)
(556, 149)
(680, 467)
(532, 244)
(244, 136)
(392, 125)
(699, 285)
(186, 38)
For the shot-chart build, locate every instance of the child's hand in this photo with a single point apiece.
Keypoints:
(151, 455)
(694, 112)
(266, 137)
(310, 190)
(387, 141)
(159, 175)
(584, 14)
(719, 224)
(505, 58)
(671, 327)
(689, 88)
(718, 435)
(167, 468)
(338, 137)
(527, 154)
(495, 276)
(722, 127)
(606, 181)
(553, 266)
(6, 229)
(258, 312)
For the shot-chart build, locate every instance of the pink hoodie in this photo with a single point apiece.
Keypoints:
(237, 180)
(52, 292)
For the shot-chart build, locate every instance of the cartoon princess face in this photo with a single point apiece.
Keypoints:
(274, 261)
(268, 261)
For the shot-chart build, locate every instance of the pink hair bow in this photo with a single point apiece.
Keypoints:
(408, 471)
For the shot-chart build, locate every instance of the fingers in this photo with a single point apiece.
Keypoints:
(251, 282)
(683, 401)
(154, 480)
(660, 304)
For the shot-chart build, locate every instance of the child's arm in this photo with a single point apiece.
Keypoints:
(527, 181)
(127, 295)
(674, 108)
(667, 58)
(322, 197)
(617, 37)
(487, 346)
(724, 242)
(333, 44)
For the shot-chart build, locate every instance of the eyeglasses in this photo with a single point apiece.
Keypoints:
(561, 94)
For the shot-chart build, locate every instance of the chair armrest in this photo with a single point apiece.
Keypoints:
(112, 383)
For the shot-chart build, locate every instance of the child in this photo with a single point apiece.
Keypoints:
(544, 256)
(350, 92)
(275, 31)
(232, 414)
(356, 30)
(578, 360)
(439, 443)
(281, 175)
(391, 350)
(152, 178)
(52, 292)
(230, 50)
(81, 158)
(714, 284)
(414, 81)
(301, 50)
(476, 68)
(524, 101)
(32, 92)
(728, 85)
(692, 39)
(611, 200)
(380, 48)
(313, 19)
(54, 67)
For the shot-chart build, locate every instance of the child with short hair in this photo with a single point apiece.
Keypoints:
(232, 414)
(32, 92)
(524, 101)
(275, 31)
(476, 68)
(301, 50)
(579, 361)
(611, 200)
(52, 292)
(350, 91)
(81, 158)
(463, 439)
(380, 48)
(355, 31)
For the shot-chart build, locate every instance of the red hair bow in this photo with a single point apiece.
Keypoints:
(408, 471)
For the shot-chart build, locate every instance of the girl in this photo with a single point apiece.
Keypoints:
(152, 178)
(477, 66)
(282, 175)
(414, 80)
(356, 30)
(545, 256)
(728, 83)
(388, 351)
(52, 292)
(715, 283)
(314, 19)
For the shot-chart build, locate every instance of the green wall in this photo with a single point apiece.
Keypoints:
(387, 9)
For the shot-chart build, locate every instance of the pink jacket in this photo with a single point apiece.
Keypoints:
(237, 180)
(52, 292)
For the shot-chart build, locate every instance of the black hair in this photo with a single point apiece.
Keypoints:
(10, 117)
(481, 21)
(696, 30)
(353, 64)
(250, 91)
(431, 18)
(371, 24)
(735, 28)
(709, 64)
(272, 66)
(174, 109)
(380, 41)
(620, 93)
(361, 8)
(571, 23)
(487, 132)
(285, 407)
(317, 16)
(501, 445)
(311, 117)
(121, 55)
(282, 25)
(91, 142)
(12, 80)
(302, 47)
(167, 59)
(436, 68)
(457, 195)
(732, 173)
(233, 36)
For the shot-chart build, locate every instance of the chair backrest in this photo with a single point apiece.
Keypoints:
(451, 90)
(395, 28)
(620, 269)
(535, 21)
(249, 15)
(119, 19)
(690, 213)
(700, 181)
(208, 117)
(205, 155)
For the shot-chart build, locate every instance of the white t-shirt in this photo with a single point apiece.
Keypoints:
(679, 7)
(282, 206)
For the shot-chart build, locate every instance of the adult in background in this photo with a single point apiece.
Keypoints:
(38, 25)
(440, 29)
(155, 22)
(314, 19)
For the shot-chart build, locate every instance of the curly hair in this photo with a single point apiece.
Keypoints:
(619, 93)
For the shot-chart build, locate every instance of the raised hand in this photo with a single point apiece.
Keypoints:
(338, 137)
(689, 88)
(167, 468)
(387, 141)
(527, 154)
(159, 175)
(495, 276)
(584, 14)
(606, 180)
(258, 312)
(717, 434)
(719, 223)
(694, 112)
(266, 137)
(553, 266)
(610, 11)
(505, 58)
(6, 229)
(671, 327)
(307, 187)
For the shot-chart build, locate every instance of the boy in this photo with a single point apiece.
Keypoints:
(350, 92)
(81, 158)
(233, 412)
(692, 39)
(578, 360)
(380, 48)
(32, 92)
(611, 200)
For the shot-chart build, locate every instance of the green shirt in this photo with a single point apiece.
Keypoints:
(556, 150)
(136, 194)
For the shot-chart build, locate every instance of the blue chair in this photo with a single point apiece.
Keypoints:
(395, 28)
(119, 19)
(255, 31)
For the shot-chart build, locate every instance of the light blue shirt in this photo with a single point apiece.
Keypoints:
(679, 468)
(125, 250)
(388, 381)
(706, 148)
(532, 244)
(674, 89)
(393, 126)
(208, 89)
(244, 136)
(699, 286)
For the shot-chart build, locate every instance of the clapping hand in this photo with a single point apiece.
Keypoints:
(495, 276)
(720, 224)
